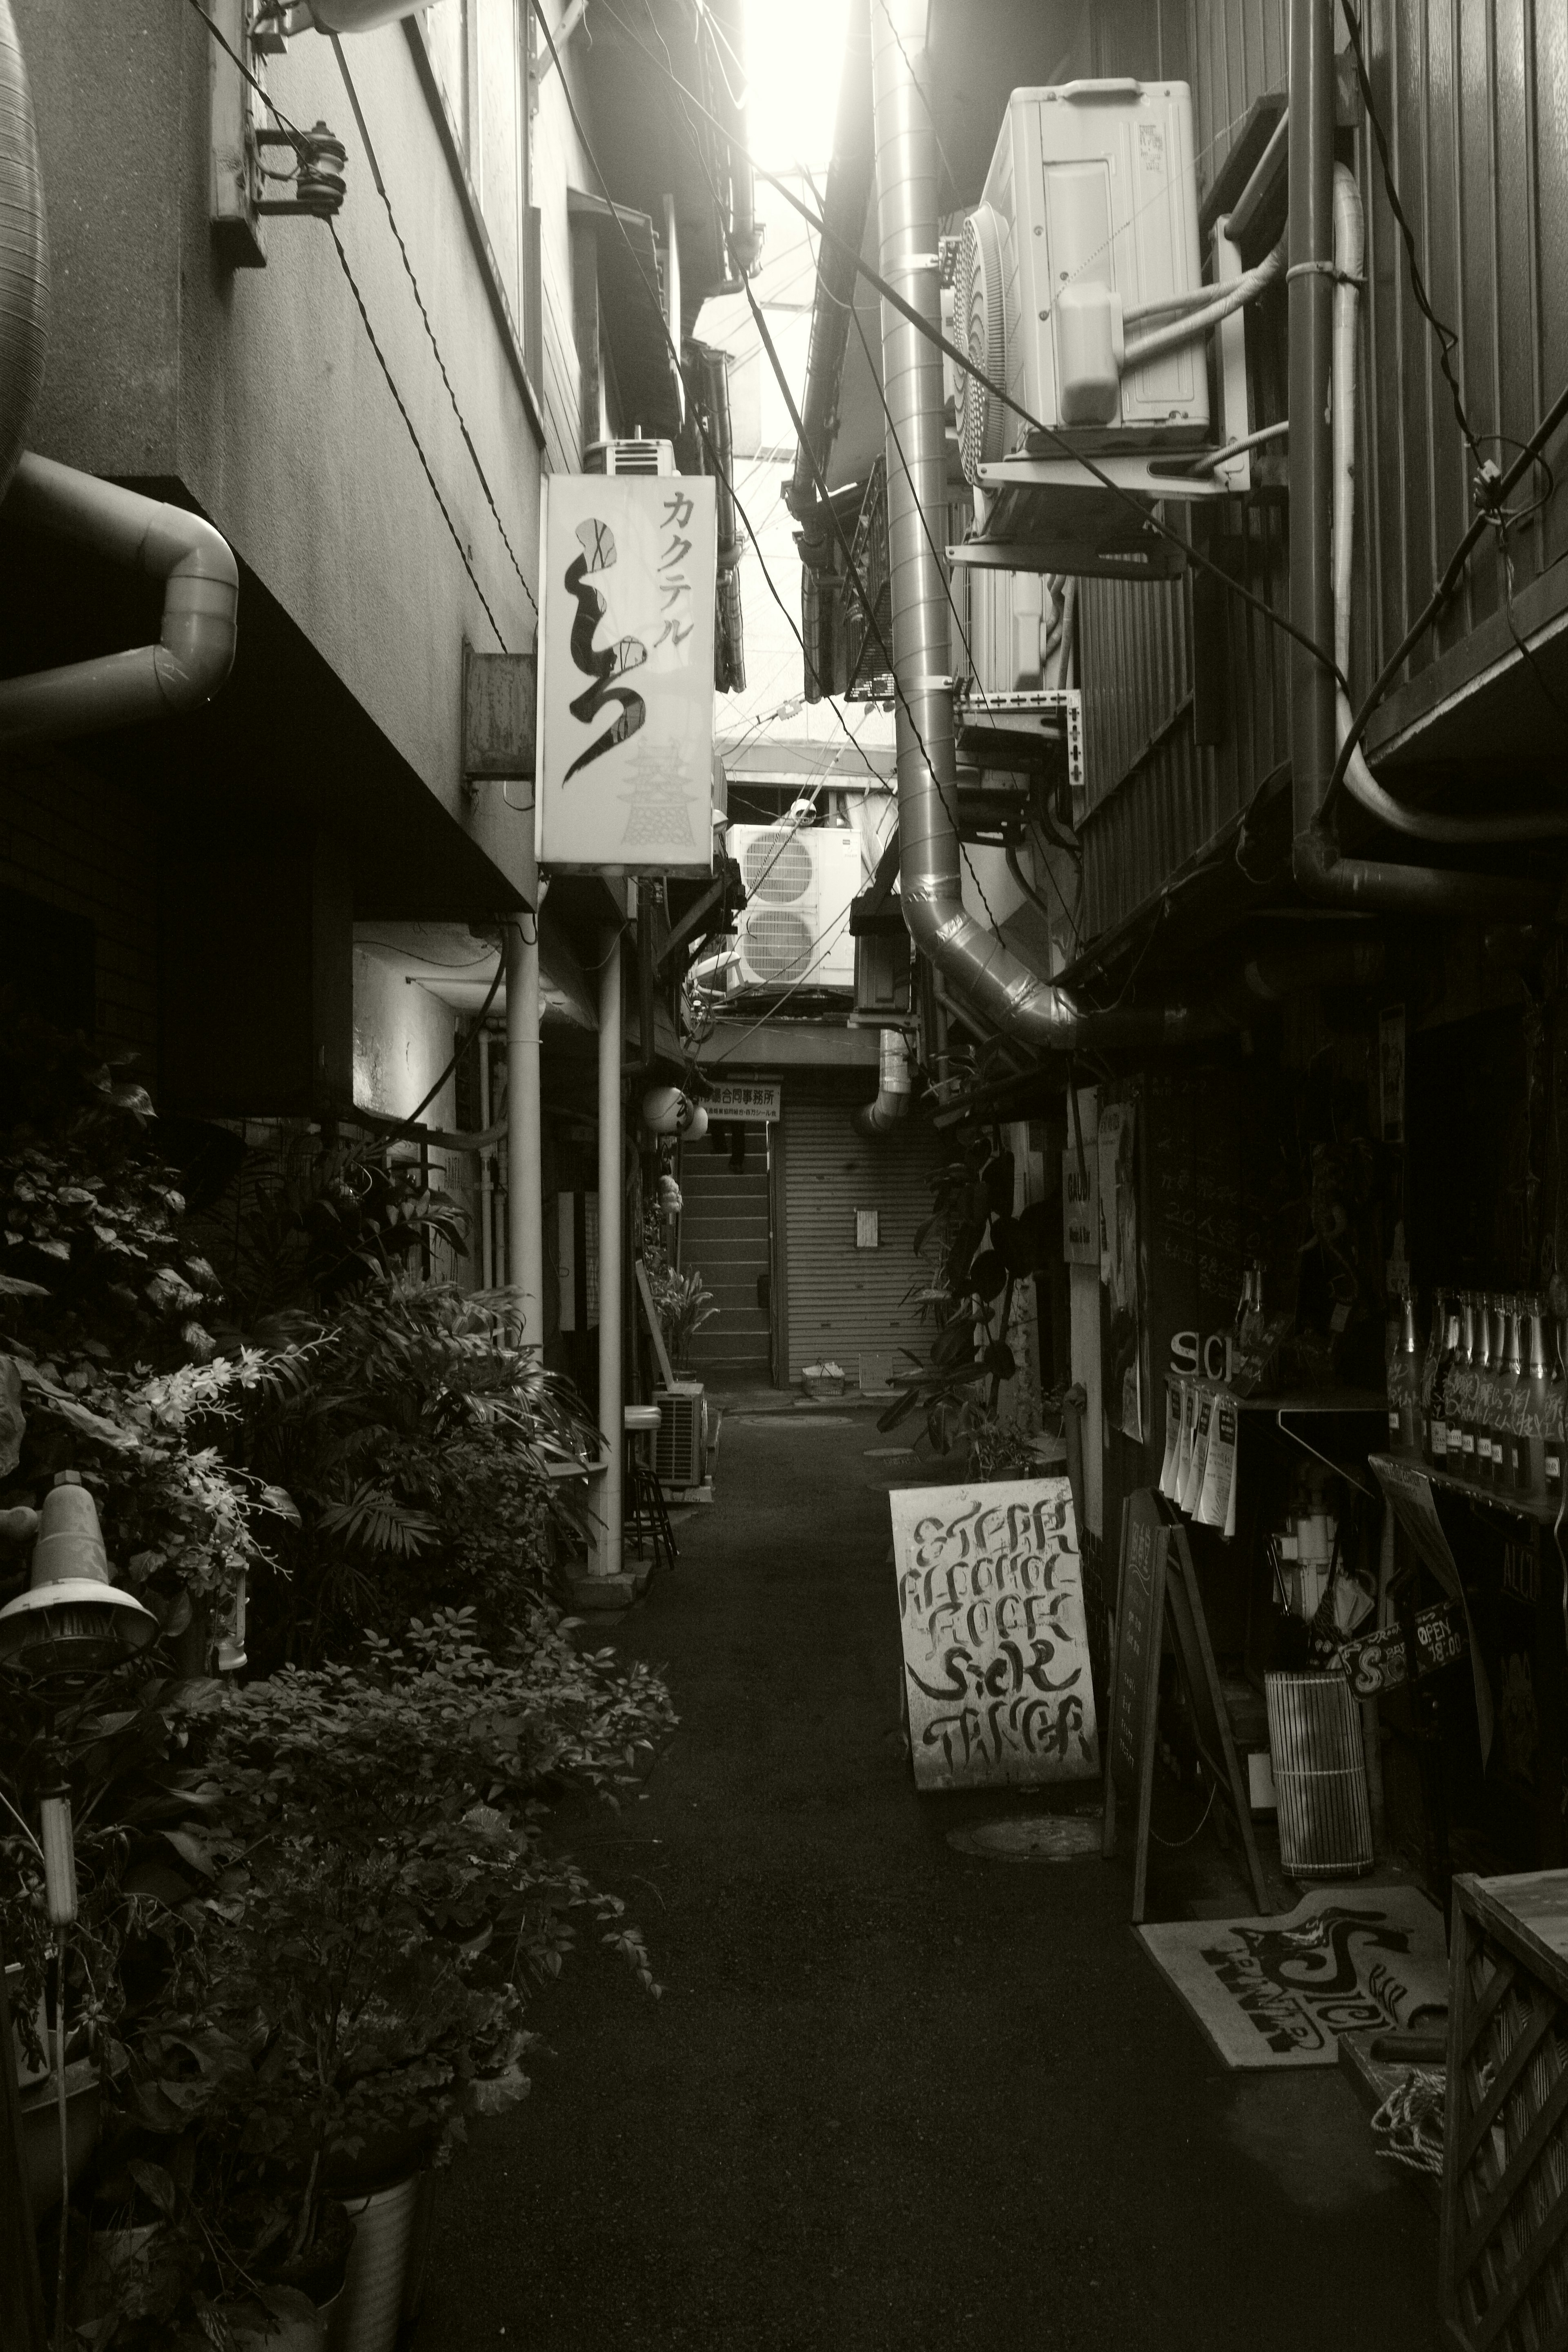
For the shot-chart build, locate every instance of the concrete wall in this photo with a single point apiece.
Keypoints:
(404, 1038)
(257, 391)
(74, 843)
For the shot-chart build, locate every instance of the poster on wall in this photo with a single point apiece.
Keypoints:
(1122, 1317)
(997, 1668)
(628, 566)
(1080, 1209)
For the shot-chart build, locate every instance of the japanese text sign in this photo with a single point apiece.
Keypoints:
(627, 569)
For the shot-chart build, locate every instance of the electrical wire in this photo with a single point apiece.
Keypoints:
(1432, 610)
(292, 131)
(823, 940)
(1445, 336)
(423, 313)
(943, 571)
(405, 1127)
(722, 471)
(868, 606)
(1148, 517)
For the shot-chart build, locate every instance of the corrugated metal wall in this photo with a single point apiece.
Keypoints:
(842, 1300)
(1474, 97)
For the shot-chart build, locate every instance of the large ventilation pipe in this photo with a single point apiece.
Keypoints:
(195, 651)
(892, 1099)
(1313, 281)
(1013, 998)
(201, 596)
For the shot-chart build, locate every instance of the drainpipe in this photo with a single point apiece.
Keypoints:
(201, 595)
(612, 1188)
(892, 1100)
(1004, 990)
(1373, 885)
(524, 1203)
(23, 253)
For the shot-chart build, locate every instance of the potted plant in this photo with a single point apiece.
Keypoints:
(391, 1892)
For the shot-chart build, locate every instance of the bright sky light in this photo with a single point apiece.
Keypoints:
(793, 52)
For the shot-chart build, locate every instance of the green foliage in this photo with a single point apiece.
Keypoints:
(978, 1250)
(684, 1307)
(417, 1440)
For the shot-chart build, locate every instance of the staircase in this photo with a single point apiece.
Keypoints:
(724, 1235)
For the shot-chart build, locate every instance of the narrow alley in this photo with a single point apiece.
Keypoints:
(894, 2093)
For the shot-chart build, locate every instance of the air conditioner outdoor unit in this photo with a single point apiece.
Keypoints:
(680, 1443)
(629, 458)
(794, 927)
(1089, 215)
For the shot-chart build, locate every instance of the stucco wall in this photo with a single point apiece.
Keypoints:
(404, 1038)
(257, 391)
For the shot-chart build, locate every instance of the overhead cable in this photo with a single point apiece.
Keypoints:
(1149, 518)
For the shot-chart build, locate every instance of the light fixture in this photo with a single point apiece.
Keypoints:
(72, 1619)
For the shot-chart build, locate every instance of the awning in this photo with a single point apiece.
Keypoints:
(631, 322)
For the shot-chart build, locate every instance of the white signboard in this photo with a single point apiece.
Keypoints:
(997, 1666)
(627, 569)
(743, 1098)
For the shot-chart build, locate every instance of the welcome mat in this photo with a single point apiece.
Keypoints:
(1279, 1992)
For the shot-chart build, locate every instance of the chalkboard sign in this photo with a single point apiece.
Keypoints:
(997, 1667)
(1158, 1592)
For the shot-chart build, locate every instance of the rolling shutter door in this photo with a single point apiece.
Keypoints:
(844, 1301)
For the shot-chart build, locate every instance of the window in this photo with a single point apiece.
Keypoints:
(482, 51)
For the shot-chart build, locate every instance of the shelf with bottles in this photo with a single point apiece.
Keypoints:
(1482, 1405)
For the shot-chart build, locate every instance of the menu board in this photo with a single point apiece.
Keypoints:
(997, 1667)
(1159, 1589)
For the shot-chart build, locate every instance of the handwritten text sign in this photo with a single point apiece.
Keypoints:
(996, 1645)
(626, 673)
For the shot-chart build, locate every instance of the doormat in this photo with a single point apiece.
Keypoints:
(1037, 1837)
(1279, 1992)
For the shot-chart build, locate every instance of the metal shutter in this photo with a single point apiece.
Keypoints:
(844, 1300)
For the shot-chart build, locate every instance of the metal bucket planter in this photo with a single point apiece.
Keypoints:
(386, 2267)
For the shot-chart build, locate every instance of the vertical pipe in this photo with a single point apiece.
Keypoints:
(1311, 297)
(487, 1155)
(525, 1198)
(611, 1194)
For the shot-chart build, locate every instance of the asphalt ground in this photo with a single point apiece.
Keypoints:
(894, 2093)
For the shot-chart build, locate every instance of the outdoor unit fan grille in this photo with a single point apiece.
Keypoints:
(982, 333)
(678, 1443)
(627, 457)
(778, 869)
(778, 943)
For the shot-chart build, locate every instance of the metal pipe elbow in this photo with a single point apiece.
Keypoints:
(892, 1099)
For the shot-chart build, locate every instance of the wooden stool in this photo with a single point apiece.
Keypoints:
(643, 1489)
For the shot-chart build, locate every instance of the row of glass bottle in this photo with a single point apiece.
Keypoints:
(1486, 1406)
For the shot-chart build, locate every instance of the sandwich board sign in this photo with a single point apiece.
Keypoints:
(996, 1645)
(627, 569)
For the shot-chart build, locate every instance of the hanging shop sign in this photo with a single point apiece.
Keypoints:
(743, 1098)
(997, 1668)
(628, 566)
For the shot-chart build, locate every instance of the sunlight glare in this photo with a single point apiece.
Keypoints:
(792, 53)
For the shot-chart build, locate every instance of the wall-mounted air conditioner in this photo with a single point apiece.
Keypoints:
(794, 927)
(1088, 226)
(629, 458)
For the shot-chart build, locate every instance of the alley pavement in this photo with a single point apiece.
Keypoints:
(895, 2094)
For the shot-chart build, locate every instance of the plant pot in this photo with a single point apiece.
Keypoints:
(40, 2107)
(319, 2273)
(385, 2270)
(302, 2332)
